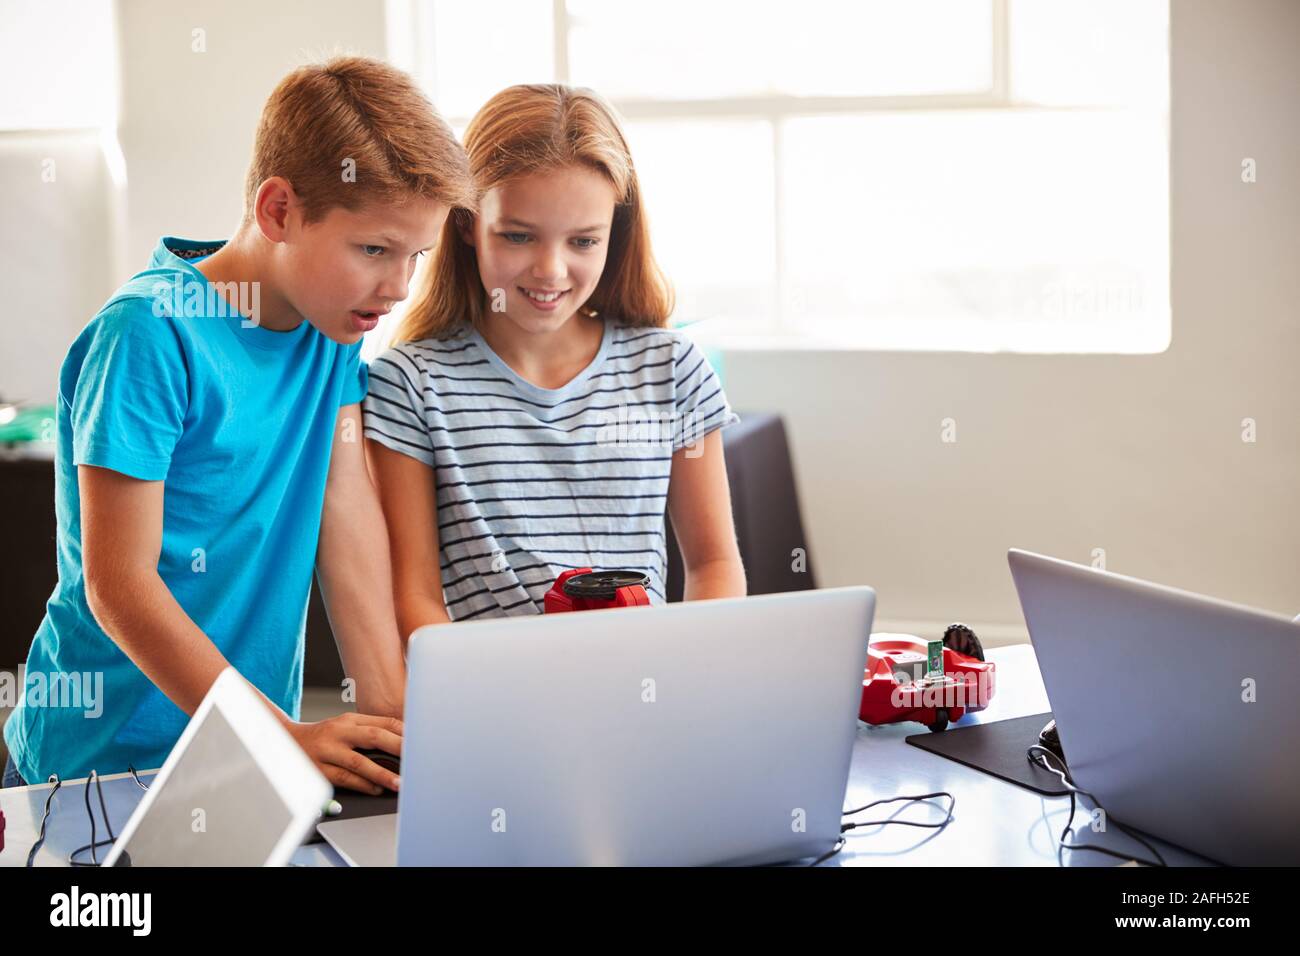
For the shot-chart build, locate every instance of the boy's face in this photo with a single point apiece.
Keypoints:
(346, 270)
(543, 240)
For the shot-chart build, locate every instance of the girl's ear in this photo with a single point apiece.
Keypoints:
(465, 223)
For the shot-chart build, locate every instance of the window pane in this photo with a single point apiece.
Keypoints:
(709, 188)
(1026, 218)
(884, 47)
(1099, 53)
(673, 49)
(685, 49)
(480, 48)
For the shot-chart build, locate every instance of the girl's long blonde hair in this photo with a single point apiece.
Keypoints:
(529, 129)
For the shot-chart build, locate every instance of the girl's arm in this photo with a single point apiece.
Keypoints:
(699, 504)
(410, 505)
(352, 567)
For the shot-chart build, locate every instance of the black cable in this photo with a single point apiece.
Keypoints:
(1040, 760)
(845, 827)
(40, 838)
(839, 845)
(1069, 785)
(91, 813)
(93, 844)
(952, 803)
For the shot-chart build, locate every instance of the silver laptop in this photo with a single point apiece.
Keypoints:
(709, 732)
(1178, 711)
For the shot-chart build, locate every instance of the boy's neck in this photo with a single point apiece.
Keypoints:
(239, 260)
(551, 360)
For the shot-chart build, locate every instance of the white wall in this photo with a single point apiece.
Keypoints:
(55, 252)
(186, 122)
(188, 118)
(1140, 455)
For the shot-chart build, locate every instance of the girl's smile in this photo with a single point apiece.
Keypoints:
(545, 300)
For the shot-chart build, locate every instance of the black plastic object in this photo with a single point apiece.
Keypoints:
(603, 585)
(963, 640)
(1050, 739)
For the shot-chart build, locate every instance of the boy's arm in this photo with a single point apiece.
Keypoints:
(410, 503)
(355, 575)
(121, 541)
(121, 535)
(699, 504)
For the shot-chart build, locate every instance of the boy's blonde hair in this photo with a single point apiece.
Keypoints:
(352, 131)
(529, 129)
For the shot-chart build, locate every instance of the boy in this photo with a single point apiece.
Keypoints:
(209, 448)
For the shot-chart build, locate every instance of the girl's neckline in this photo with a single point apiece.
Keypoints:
(546, 395)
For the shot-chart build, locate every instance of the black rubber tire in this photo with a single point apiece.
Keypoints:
(940, 721)
(963, 640)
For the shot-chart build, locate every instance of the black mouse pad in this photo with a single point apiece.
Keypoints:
(357, 805)
(997, 748)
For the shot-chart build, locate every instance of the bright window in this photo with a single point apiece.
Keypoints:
(932, 174)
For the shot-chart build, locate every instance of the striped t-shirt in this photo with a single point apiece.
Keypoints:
(532, 481)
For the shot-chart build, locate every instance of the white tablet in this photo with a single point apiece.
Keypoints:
(236, 790)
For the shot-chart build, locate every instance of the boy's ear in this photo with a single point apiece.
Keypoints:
(275, 200)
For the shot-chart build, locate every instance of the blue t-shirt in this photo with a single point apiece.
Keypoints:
(169, 383)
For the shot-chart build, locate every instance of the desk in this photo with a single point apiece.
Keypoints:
(995, 823)
(68, 826)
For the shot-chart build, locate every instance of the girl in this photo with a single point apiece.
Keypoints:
(536, 415)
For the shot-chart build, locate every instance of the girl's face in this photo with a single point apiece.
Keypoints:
(541, 244)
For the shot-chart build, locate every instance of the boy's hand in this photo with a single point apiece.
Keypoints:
(333, 744)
